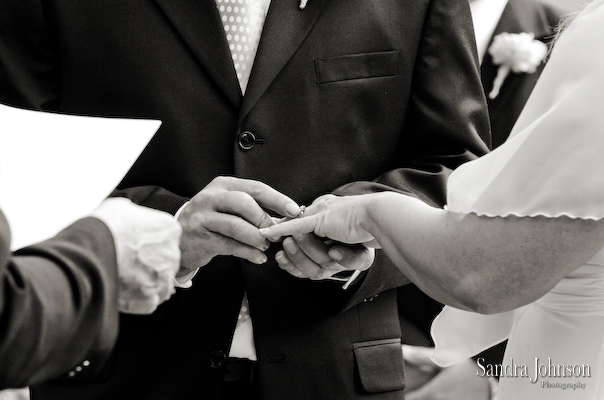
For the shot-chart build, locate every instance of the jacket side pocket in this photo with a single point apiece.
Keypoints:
(380, 365)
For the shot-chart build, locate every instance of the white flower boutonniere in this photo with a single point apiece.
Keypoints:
(302, 5)
(516, 52)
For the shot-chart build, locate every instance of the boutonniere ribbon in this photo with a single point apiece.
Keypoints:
(515, 52)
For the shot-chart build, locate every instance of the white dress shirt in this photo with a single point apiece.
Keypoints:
(485, 15)
(243, 339)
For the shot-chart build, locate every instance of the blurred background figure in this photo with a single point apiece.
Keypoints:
(496, 19)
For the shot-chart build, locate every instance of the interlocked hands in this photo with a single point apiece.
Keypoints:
(339, 218)
(225, 217)
(306, 251)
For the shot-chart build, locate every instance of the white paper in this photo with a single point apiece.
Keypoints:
(55, 168)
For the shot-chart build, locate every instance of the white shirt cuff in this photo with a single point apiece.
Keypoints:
(348, 280)
(184, 282)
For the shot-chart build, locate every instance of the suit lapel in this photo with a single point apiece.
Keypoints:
(198, 23)
(284, 30)
(518, 16)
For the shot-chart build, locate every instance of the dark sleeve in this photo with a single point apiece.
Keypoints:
(447, 123)
(58, 305)
(447, 120)
(152, 197)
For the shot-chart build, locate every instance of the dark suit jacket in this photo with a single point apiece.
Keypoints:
(58, 305)
(347, 95)
(518, 16)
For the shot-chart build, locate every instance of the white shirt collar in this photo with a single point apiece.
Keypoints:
(485, 15)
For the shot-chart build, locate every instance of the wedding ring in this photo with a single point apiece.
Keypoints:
(301, 213)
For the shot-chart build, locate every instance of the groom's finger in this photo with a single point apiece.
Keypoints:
(265, 195)
(357, 257)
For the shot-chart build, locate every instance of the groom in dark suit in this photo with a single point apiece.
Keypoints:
(345, 96)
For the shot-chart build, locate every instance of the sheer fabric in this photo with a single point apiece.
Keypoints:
(553, 161)
(552, 165)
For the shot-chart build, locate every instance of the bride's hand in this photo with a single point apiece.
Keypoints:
(329, 216)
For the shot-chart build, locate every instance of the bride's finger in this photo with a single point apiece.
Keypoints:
(288, 228)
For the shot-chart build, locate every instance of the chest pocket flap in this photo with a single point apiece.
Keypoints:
(357, 66)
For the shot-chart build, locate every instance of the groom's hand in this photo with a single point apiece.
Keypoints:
(307, 256)
(224, 217)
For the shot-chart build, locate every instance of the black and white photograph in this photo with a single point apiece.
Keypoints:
(301, 200)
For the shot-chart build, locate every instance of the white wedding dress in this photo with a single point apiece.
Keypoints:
(552, 165)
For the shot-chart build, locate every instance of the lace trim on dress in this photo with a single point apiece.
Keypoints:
(521, 215)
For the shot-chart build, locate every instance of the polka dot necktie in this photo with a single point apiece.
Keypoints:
(243, 21)
(244, 312)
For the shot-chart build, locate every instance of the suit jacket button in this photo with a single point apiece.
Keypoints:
(370, 299)
(247, 140)
(217, 359)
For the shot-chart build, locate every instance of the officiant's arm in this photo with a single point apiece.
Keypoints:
(60, 299)
(59, 304)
